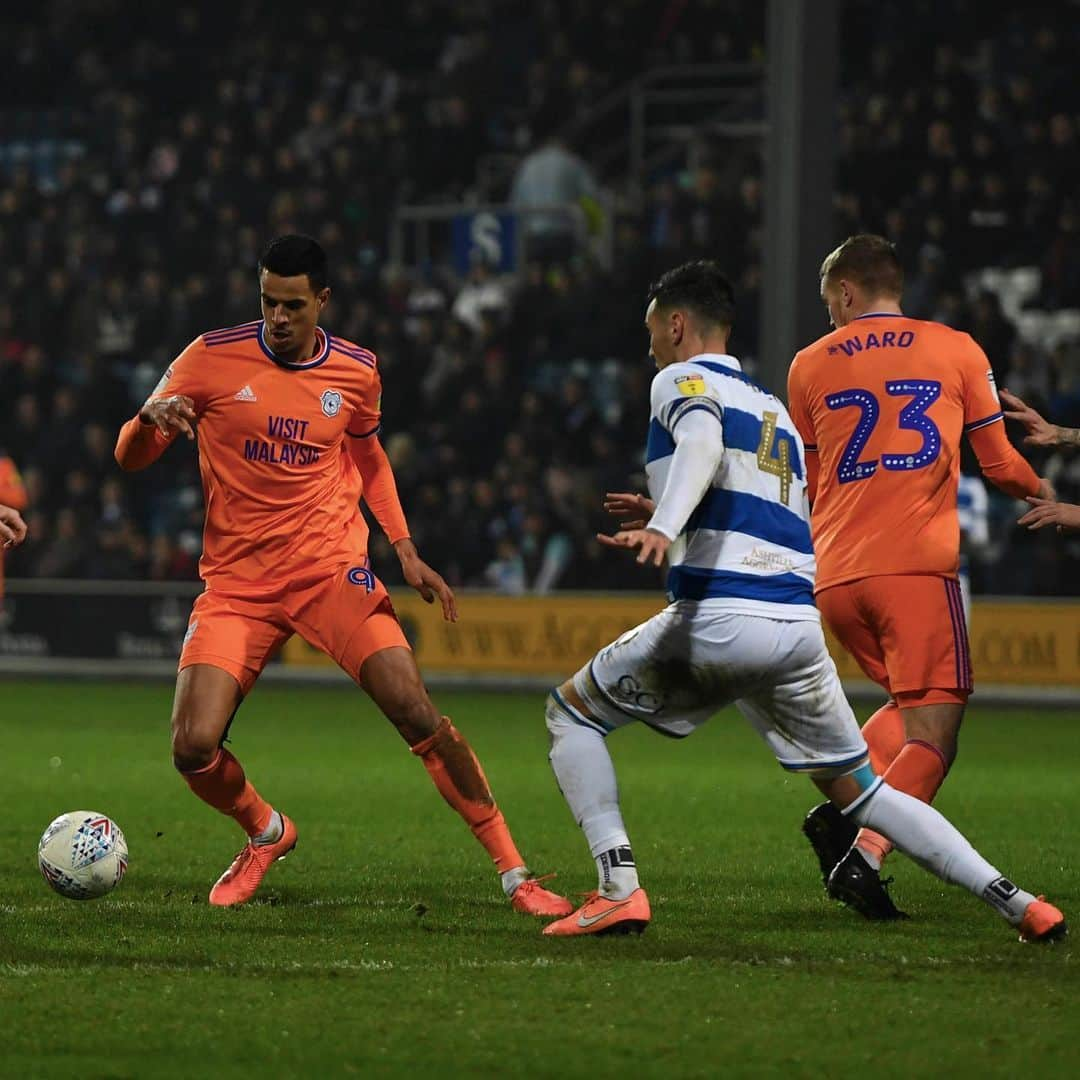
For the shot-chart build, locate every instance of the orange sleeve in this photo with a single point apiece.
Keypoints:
(12, 491)
(367, 416)
(380, 488)
(139, 444)
(1000, 461)
(801, 418)
(981, 404)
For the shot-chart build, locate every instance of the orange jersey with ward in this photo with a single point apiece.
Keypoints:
(883, 402)
(281, 489)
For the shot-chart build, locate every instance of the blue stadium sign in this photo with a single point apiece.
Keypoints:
(489, 236)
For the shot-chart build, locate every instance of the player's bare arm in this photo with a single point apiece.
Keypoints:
(12, 527)
(1046, 490)
(1043, 512)
(632, 509)
(650, 545)
(172, 416)
(1040, 432)
(427, 582)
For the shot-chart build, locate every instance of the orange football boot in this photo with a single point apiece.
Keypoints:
(1042, 922)
(602, 915)
(238, 884)
(530, 899)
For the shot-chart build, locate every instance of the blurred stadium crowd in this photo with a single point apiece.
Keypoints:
(138, 184)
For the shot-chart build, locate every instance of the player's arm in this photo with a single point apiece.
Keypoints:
(632, 510)
(695, 427)
(800, 417)
(145, 437)
(1002, 464)
(984, 424)
(12, 490)
(699, 446)
(12, 527)
(380, 487)
(1040, 432)
(381, 496)
(1043, 512)
(171, 410)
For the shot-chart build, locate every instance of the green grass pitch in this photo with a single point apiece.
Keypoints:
(383, 945)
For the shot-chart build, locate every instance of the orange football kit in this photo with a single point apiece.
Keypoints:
(286, 449)
(881, 405)
(13, 494)
(285, 543)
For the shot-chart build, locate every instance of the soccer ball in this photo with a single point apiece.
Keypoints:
(83, 855)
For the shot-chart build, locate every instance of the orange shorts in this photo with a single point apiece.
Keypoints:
(907, 632)
(348, 616)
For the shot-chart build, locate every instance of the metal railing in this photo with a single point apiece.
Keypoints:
(650, 120)
(653, 118)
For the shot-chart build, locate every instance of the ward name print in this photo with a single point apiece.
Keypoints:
(887, 339)
(284, 444)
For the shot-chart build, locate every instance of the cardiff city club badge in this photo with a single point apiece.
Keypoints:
(331, 402)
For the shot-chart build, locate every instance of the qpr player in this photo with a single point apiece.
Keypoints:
(728, 508)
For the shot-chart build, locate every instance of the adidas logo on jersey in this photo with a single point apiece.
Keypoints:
(247, 394)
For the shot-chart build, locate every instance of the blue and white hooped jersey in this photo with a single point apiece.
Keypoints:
(973, 510)
(746, 547)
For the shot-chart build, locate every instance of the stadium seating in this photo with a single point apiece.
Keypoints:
(130, 220)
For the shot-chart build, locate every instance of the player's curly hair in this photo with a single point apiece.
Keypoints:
(869, 260)
(699, 286)
(294, 254)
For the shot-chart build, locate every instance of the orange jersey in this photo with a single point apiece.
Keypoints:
(883, 403)
(281, 489)
(13, 494)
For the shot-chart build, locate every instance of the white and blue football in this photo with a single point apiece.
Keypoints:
(83, 855)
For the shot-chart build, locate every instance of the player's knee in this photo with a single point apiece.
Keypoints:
(556, 716)
(414, 715)
(567, 720)
(192, 749)
(940, 729)
(551, 711)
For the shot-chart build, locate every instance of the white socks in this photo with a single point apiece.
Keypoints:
(511, 879)
(272, 833)
(929, 838)
(586, 778)
(617, 872)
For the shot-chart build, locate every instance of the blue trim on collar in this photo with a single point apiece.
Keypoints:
(315, 361)
(880, 315)
(723, 359)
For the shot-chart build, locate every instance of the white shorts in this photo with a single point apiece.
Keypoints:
(683, 665)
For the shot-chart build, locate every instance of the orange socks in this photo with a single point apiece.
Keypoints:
(919, 770)
(884, 735)
(453, 767)
(223, 785)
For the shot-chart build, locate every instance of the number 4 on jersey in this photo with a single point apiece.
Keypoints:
(775, 457)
